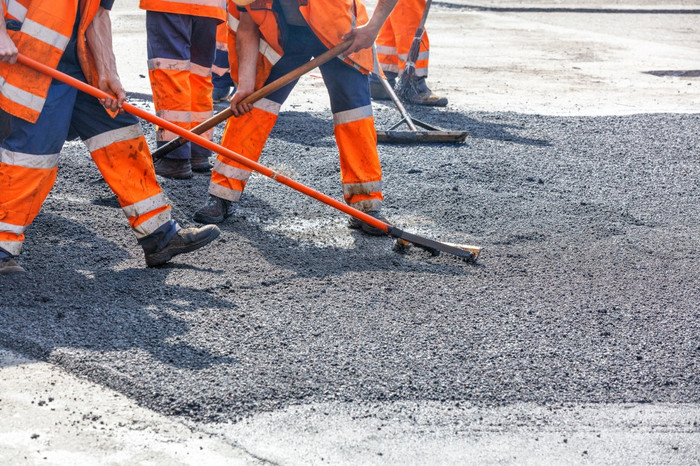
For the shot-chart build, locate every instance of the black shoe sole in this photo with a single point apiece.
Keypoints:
(162, 257)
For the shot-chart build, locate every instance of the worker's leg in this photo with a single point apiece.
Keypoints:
(405, 20)
(169, 67)
(246, 135)
(202, 58)
(121, 153)
(28, 165)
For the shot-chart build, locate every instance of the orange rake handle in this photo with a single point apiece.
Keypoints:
(229, 154)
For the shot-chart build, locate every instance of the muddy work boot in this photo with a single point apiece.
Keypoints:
(9, 266)
(416, 91)
(215, 210)
(177, 169)
(185, 240)
(357, 224)
(200, 163)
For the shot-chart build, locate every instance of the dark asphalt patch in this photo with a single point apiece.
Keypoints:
(587, 289)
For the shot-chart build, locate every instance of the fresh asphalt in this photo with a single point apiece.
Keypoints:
(294, 340)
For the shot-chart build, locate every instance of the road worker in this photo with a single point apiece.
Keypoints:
(181, 36)
(393, 43)
(288, 33)
(220, 75)
(44, 113)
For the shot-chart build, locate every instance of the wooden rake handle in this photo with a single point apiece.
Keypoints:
(254, 97)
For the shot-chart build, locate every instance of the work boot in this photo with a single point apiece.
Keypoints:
(422, 95)
(185, 240)
(177, 169)
(9, 266)
(200, 163)
(215, 210)
(357, 224)
(377, 91)
(220, 94)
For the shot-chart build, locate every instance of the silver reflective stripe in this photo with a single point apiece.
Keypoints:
(422, 72)
(152, 224)
(103, 140)
(45, 34)
(45, 162)
(145, 206)
(268, 106)
(17, 10)
(351, 189)
(421, 56)
(224, 193)
(367, 205)
(200, 70)
(201, 116)
(231, 172)
(386, 50)
(22, 97)
(165, 135)
(181, 116)
(168, 64)
(268, 52)
(233, 22)
(354, 114)
(13, 247)
(217, 70)
(10, 228)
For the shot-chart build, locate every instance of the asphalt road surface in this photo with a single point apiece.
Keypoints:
(293, 340)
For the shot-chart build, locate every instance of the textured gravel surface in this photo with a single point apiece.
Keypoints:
(587, 290)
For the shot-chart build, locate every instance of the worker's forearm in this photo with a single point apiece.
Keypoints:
(247, 46)
(99, 40)
(381, 13)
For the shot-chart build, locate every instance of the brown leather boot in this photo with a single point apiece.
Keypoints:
(416, 92)
(185, 240)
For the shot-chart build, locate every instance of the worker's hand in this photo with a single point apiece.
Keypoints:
(362, 37)
(8, 50)
(112, 86)
(237, 108)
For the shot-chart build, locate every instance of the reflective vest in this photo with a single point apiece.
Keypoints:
(43, 36)
(208, 8)
(328, 19)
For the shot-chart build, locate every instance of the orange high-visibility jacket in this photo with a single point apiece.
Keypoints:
(208, 8)
(328, 19)
(44, 35)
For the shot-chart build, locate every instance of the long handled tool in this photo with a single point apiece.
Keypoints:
(404, 239)
(427, 133)
(404, 87)
(254, 97)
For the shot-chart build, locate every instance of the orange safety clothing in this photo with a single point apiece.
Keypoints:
(46, 113)
(221, 46)
(44, 35)
(329, 20)
(396, 36)
(207, 8)
(181, 45)
(354, 129)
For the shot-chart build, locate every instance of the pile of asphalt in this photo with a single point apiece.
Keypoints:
(587, 289)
